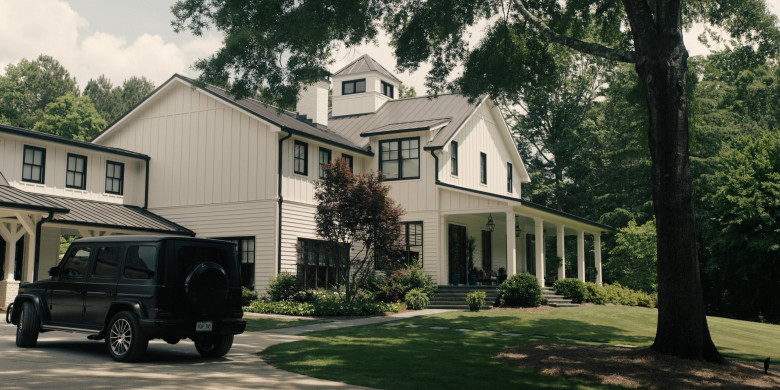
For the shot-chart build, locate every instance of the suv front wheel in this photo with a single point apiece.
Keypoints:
(214, 346)
(125, 341)
(28, 327)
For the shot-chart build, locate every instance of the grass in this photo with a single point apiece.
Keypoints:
(261, 324)
(401, 357)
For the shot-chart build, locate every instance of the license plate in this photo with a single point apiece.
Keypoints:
(203, 326)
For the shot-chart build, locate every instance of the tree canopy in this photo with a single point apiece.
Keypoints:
(71, 117)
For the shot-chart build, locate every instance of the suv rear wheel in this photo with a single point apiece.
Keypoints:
(214, 346)
(125, 341)
(28, 327)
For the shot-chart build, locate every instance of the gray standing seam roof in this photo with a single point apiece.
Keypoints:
(365, 64)
(407, 127)
(18, 199)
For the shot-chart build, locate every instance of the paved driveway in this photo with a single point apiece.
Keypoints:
(70, 361)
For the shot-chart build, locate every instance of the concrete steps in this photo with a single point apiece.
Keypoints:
(454, 297)
(555, 300)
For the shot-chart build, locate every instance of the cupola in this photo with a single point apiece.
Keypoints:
(362, 87)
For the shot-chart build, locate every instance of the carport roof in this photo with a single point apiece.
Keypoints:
(18, 199)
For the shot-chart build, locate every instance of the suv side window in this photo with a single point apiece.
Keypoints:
(107, 262)
(75, 266)
(140, 262)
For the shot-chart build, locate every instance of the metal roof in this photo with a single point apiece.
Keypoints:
(456, 107)
(18, 199)
(69, 141)
(407, 127)
(137, 238)
(365, 64)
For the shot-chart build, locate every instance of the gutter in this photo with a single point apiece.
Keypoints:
(279, 227)
(146, 187)
(38, 243)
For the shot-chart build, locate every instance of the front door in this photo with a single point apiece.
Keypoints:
(487, 251)
(457, 252)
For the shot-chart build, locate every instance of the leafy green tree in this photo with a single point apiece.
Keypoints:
(29, 86)
(72, 117)
(745, 228)
(134, 90)
(633, 260)
(113, 102)
(406, 92)
(271, 47)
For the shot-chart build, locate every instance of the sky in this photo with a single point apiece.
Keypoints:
(123, 38)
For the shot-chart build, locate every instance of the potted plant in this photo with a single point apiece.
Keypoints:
(475, 300)
(501, 275)
(455, 279)
(473, 273)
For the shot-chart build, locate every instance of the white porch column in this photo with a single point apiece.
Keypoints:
(597, 252)
(10, 255)
(561, 251)
(581, 255)
(511, 250)
(539, 239)
(11, 233)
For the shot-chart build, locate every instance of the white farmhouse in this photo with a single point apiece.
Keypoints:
(197, 161)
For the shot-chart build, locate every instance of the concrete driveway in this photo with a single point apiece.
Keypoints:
(70, 361)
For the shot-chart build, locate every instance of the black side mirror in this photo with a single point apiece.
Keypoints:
(54, 271)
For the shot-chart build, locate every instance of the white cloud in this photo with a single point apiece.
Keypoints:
(52, 27)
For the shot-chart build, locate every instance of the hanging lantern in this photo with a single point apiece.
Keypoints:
(490, 224)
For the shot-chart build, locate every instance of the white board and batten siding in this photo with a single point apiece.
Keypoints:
(431, 238)
(12, 156)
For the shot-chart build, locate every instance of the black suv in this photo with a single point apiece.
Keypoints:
(131, 289)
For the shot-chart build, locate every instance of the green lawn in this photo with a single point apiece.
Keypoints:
(260, 324)
(401, 357)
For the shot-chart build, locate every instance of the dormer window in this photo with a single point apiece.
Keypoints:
(353, 86)
(387, 90)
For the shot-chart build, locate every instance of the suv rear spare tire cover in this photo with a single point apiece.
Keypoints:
(207, 287)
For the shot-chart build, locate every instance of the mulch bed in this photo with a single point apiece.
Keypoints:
(637, 368)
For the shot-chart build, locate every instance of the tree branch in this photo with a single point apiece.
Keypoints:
(576, 44)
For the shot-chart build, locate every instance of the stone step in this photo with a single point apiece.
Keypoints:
(563, 304)
(456, 307)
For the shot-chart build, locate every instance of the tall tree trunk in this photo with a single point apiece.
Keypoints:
(682, 324)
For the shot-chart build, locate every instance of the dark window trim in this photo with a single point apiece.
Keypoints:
(305, 158)
(121, 179)
(84, 174)
(422, 239)
(482, 168)
(43, 163)
(354, 86)
(386, 86)
(509, 177)
(350, 161)
(454, 157)
(321, 163)
(400, 169)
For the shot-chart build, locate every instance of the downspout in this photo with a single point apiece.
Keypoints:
(38, 243)
(146, 187)
(436, 162)
(279, 227)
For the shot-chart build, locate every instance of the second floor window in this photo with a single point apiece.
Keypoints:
(76, 172)
(483, 168)
(33, 166)
(509, 177)
(115, 178)
(400, 159)
(301, 158)
(454, 157)
(324, 159)
(353, 86)
(387, 89)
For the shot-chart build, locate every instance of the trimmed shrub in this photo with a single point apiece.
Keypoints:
(284, 287)
(595, 294)
(475, 300)
(521, 290)
(323, 308)
(416, 299)
(247, 296)
(402, 281)
(570, 288)
(619, 295)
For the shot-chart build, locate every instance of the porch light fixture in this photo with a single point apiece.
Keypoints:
(490, 224)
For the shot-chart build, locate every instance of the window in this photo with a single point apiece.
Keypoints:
(246, 254)
(400, 159)
(509, 177)
(387, 89)
(353, 86)
(301, 158)
(483, 168)
(350, 161)
(107, 262)
(454, 157)
(324, 159)
(115, 177)
(75, 266)
(76, 172)
(317, 266)
(141, 262)
(414, 242)
(33, 166)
